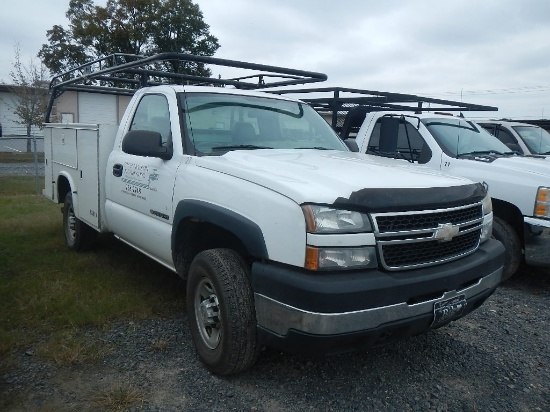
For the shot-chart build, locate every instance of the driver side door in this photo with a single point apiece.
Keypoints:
(139, 205)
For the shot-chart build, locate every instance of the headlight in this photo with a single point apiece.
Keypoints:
(542, 203)
(486, 228)
(332, 223)
(340, 258)
(487, 225)
(487, 205)
(323, 219)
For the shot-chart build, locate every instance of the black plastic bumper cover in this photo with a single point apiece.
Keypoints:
(339, 292)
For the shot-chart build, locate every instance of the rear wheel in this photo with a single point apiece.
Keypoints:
(221, 311)
(78, 235)
(505, 233)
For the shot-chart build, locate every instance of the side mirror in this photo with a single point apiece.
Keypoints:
(145, 143)
(351, 144)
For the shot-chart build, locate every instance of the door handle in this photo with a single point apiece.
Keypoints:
(117, 170)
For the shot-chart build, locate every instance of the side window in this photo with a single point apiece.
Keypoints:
(508, 139)
(374, 142)
(409, 143)
(505, 136)
(409, 139)
(152, 114)
(489, 127)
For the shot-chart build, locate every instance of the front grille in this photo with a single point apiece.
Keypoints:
(408, 240)
(396, 223)
(414, 254)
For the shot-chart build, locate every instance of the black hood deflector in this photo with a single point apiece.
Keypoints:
(407, 199)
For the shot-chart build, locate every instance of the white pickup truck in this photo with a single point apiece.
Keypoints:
(284, 237)
(524, 138)
(519, 186)
(398, 128)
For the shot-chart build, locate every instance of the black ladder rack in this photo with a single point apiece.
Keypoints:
(125, 73)
(341, 104)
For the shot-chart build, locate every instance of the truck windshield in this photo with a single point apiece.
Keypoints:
(536, 138)
(217, 123)
(459, 137)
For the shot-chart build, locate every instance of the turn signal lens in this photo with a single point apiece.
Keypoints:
(542, 203)
(542, 194)
(312, 258)
(340, 258)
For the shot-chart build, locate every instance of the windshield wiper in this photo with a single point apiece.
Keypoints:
(392, 155)
(314, 147)
(241, 146)
(482, 152)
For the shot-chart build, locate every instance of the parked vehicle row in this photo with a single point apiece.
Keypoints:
(518, 185)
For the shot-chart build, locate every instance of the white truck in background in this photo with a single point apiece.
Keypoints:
(285, 237)
(404, 129)
(524, 138)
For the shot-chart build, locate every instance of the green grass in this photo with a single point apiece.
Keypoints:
(17, 186)
(16, 157)
(48, 293)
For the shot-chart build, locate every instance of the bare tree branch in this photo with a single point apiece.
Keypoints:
(30, 89)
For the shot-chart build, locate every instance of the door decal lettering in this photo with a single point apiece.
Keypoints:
(138, 179)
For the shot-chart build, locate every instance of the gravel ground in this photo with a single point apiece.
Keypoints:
(495, 359)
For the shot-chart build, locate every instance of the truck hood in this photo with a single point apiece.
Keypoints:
(534, 170)
(525, 164)
(514, 180)
(315, 176)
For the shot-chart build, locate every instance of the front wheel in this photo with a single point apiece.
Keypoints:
(505, 233)
(222, 317)
(78, 235)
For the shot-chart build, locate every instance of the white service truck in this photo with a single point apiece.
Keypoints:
(411, 129)
(284, 236)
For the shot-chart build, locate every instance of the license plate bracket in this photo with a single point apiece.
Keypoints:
(448, 309)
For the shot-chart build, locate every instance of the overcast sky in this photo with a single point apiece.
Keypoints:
(478, 51)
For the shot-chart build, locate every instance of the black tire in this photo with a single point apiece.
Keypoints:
(506, 234)
(222, 316)
(78, 235)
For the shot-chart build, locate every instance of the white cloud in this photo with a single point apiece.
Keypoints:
(489, 51)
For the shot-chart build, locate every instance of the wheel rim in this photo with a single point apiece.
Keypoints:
(70, 226)
(207, 313)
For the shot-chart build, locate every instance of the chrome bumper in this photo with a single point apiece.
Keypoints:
(536, 237)
(279, 318)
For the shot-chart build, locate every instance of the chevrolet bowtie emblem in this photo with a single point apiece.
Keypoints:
(445, 232)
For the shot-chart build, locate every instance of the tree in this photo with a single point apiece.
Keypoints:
(143, 27)
(180, 26)
(63, 52)
(30, 91)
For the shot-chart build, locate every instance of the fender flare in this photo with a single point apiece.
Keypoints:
(510, 213)
(245, 229)
(72, 188)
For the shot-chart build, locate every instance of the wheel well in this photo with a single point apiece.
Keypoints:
(193, 236)
(63, 187)
(511, 214)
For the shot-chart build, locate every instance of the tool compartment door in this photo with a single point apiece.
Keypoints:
(88, 176)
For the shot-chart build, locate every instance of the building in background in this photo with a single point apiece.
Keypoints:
(8, 118)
